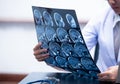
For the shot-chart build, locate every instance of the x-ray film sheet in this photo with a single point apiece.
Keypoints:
(59, 32)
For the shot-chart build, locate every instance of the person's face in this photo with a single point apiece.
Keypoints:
(115, 4)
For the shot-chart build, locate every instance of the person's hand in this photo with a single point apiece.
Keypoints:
(40, 54)
(110, 74)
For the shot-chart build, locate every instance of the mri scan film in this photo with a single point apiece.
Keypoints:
(59, 32)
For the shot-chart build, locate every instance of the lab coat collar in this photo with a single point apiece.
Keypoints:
(116, 19)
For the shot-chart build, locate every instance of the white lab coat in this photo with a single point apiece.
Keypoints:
(100, 30)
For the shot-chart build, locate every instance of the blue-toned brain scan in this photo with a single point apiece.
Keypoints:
(88, 63)
(47, 19)
(38, 17)
(54, 48)
(74, 63)
(51, 61)
(60, 34)
(44, 44)
(50, 33)
(40, 32)
(61, 61)
(71, 20)
(75, 36)
(67, 49)
(59, 20)
(81, 50)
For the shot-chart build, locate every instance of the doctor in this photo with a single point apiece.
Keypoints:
(99, 30)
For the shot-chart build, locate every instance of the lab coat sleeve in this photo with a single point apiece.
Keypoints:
(90, 33)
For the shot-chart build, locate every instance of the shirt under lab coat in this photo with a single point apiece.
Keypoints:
(100, 29)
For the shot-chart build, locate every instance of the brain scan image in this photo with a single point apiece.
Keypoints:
(47, 19)
(67, 49)
(40, 29)
(51, 60)
(40, 32)
(62, 35)
(75, 36)
(59, 20)
(38, 17)
(88, 63)
(44, 44)
(81, 50)
(54, 48)
(41, 36)
(50, 33)
(74, 63)
(71, 20)
(61, 61)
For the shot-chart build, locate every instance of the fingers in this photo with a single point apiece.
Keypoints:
(110, 74)
(103, 76)
(42, 57)
(40, 54)
(37, 46)
(40, 51)
(106, 76)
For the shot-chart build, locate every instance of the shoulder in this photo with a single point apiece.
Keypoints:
(96, 21)
(99, 18)
(103, 14)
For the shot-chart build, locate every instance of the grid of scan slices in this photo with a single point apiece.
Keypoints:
(59, 32)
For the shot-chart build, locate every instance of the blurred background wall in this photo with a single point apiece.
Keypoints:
(18, 35)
